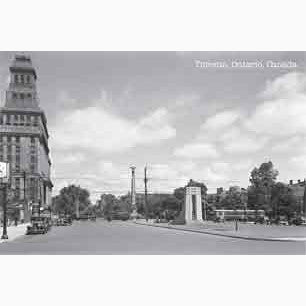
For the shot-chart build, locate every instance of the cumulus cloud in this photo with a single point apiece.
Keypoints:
(298, 162)
(284, 109)
(197, 150)
(221, 120)
(289, 144)
(280, 117)
(237, 141)
(100, 130)
(285, 86)
(272, 124)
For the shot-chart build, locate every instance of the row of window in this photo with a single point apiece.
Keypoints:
(15, 167)
(10, 139)
(32, 188)
(21, 120)
(20, 78)
(22, 95)
(14, 159)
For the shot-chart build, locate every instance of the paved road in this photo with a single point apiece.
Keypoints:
(119, 237)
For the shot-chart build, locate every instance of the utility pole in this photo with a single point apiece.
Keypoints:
(133, 193)
(146, 192)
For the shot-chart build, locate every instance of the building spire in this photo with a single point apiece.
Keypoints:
(21, 92)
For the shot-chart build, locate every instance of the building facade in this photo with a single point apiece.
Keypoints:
(298, 189)
(24, 139)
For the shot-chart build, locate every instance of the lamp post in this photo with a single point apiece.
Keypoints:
(4, 177)
(4, 206)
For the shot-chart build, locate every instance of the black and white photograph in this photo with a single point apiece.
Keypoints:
(153, 153)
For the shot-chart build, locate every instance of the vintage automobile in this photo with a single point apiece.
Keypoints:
(120, 215)
(63, 222)
(39, 225)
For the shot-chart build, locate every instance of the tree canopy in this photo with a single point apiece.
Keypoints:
(65, 201)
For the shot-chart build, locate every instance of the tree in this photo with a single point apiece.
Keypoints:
(179, 194)
(170, 206)
(65, 201)
(233, 199)
(108, 204)
(262, 180)
(284, 201)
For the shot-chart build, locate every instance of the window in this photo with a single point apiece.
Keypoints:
(22, 96)
(14, 95)
(17, 167)
(17, 140)
(8, 119)
(35, 121)
(32, 140)
(29, 95)
(28, 79)
(22, 79)
(1, 119)
(28, 117)
(17, 187)
(32, 188)
(15, 119)
(9, 139)
(21, 120)
(16, 78)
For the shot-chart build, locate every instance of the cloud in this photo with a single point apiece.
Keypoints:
(289, 144)
(237, 141)
(220, 120)
(95, 128)
(284, 110)
(285, 86)
(197, 150)
(282, 117)
(299, 164)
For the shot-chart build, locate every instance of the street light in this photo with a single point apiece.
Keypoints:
(4, 177)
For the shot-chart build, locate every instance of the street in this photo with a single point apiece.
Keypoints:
(119, 237)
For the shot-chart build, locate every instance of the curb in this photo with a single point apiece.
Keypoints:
(220, 234)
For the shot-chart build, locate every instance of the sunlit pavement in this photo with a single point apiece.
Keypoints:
(119, 237)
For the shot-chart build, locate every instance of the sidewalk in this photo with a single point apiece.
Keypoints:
(245, 231)
(14, 232)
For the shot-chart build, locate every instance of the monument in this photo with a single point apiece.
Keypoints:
(193, 204)
(192, 208)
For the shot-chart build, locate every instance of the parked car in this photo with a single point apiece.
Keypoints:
(259, 220)
(39, 225)
(298, 221)
(283, 222)
(120, 215)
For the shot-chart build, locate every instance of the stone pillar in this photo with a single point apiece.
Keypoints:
(193, 204)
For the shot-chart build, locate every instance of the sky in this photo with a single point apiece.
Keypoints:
(107, 111)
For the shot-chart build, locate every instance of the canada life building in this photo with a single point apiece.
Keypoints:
(24, 139)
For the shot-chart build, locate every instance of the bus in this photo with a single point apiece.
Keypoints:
(239, 214)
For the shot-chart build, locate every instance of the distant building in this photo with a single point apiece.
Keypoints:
(298, 189)
(24, 138)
